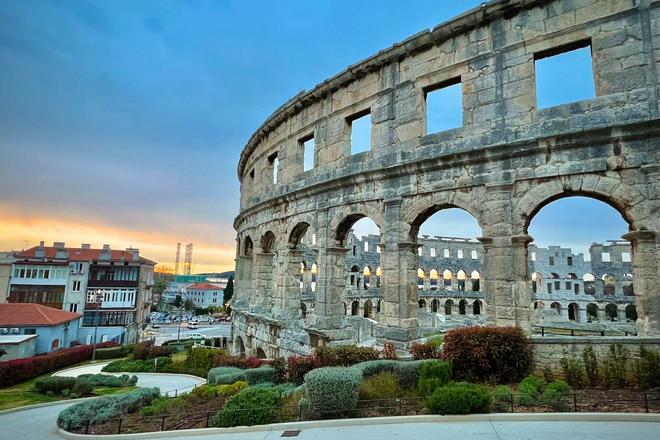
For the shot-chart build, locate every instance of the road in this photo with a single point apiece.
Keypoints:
(169, 332)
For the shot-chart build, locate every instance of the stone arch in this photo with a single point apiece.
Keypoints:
(462, 307)
(589, 282)
(461, 276)
(347, 216)
(449, 305)
(248, 246)
(537, 282)
(239, 346)
(557, 307)
(433, 279)
(609, 284)
(421, 275)
(418, 209)
(627, 285)
(631, 312)
(368, 309)
(611, 311)
(260, 353)
(268, 242)
(447, 276)
(475, 280)
(477, 307)
(297, 233)
(539, 305)
(573, 311)
(355, 308)
(592, 311)
(422, 303)
(434, 305)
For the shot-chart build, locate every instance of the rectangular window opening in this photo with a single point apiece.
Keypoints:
(360, 126)
(275, 163)
(564, 74)
(606, 257)
(444, 106)
(308, 147)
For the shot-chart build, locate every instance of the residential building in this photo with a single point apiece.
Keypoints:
(17, 346)
(205, 295)
(6, 260)
(111, 288)
(54, 328)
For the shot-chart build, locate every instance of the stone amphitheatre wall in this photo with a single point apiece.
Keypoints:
(507, 161)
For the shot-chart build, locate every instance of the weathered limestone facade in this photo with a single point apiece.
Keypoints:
(507, 161)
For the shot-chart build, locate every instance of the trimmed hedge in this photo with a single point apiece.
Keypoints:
(555, 394)
(529, 390)
(112, 352)
(56, 385)
(226, 360)
(137, 366)
(499, 354)
(432, 375)
(264, 374)
(146, 350)
(107, 380)
(460, 398)
(406, 371)
(332, 389)
(19, 370)
(343, 355)
(225, 375)
(252, 406)
(105, 408)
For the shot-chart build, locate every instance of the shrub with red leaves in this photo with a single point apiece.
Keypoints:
(343, 355)
(389, 352)
(499, 354)
(146, 350)
(424, 350)
(298, 366)
(226, 360)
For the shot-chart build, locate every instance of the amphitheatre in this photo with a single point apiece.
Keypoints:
(507, 160)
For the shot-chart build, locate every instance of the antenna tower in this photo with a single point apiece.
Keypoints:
(187, 262)
(178, 258)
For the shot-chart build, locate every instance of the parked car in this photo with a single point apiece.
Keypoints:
(196, 336)
(155, 325)
(193, 325)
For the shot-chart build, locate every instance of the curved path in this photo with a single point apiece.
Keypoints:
(39, 422)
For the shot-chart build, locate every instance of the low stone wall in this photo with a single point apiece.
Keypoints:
(549, 350)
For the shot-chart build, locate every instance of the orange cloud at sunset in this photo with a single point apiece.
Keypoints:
(209, 255)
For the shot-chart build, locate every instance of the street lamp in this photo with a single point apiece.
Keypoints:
(97, 299)
(183, 301)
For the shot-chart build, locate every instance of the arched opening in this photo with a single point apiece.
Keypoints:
(611, 312)
(589, 284)
(462, 307)
(355, 276)
(355, 308)
(627, 285)
(302, 275)
(573, 312)
(361, 236)
(609, 284)
(434, 305)
(446, 278)
(315, 272)
(379, 273)
(449, 305)
(592, 312)
(555, 284)
(260, 353)
(267, 242)
(422, 303)
(571, 283)
(366, 277)
(433, 279)
(420, 278)
(539, 305)
(368, 309)
(240, 346)
(303, 309)
(460, 278)
(475, 278)
(248, 247)
(476, 307)
(537, 282)
(556, 307)
(631, 312)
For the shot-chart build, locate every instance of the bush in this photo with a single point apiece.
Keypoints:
(424, 350)
(555, 394)
(264, 374)
(106, 380)
(406, 371)
(529, 390)
(200, 358)
(380, 386)
(647, 369)
(590, 362)
(502, 398)
(298, 366)
(225, 360)
(332, 389)
(432, 375)
(500, 354)
(279, 364)
(573, 370)
(252, 406)
(220, 390)
(82, 388)
(460, 398)
(343, 355)
(55, 385)
(146, 351)
(110, 353)
(389, 352)
(614, 366)
(225, 375)
(103, 409)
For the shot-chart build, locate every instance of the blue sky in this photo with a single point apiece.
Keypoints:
(123, 120)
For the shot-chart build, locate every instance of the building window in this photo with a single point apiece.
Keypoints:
(568, 285)
(569, 261)
(360, 130)
(555, 66)
(533, 256)
(366, 246)
(30, 331)
(625, 257)
(432, 252)
(552, 261)
(419, 251)
(275, 166)
(459, 253)
(475, 255)
(444, 106)
(446, 253)
(308, 146)
(605, 257)
(76, 286)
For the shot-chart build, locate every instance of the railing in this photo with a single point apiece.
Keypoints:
(562, 331)
(573, 401)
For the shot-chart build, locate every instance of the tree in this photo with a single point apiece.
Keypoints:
(229, 290)
(188, 305)
(177, 301)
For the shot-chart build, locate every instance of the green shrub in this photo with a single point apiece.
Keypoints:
(406, 371)
(55, 385)
(225, 375)
(548, 374)
(573, 370)
(590, 362)
(110, 353)
(502, 398)
(201, 358)
(529, 390)
(107, 380)
(433, 374)
(252, 406)
(332, 389)
(555, 394)
(220, 390)
(82, 388)
(280, 367)
(182, 368)
(343, 355)
(614, 366)
(647, 369)
(460, 398)
(261, 375)
(380, 386)
(137, 366)
(105, 408)
(499, 354)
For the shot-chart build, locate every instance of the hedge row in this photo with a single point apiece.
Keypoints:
(332, 390)
(253, 376)
(19, 370)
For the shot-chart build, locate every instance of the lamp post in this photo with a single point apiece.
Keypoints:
(97, 299)
(183, 300)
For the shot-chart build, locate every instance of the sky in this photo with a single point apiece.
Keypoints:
(122, 121)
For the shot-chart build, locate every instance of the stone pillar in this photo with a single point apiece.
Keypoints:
(645, 264)
(263, 286)
(621, 313)
(582, 313)
(505, 282)
(564, 312)
(600, 314)
(243, 282)
(287, 299)
(331, 286)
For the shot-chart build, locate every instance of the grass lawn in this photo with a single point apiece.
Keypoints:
(23, 394)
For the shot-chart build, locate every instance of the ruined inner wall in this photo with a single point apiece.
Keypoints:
(506, 162)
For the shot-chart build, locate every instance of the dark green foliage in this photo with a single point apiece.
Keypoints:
(460, 398)
(111, 352)
(498, 354)
(263, 374)
(502, 398)
(343, 355)
(406, 371)
(103, 409)
(647, 369)
(146, 351)
(228, 293)
(201, 358)
(225, 375)
(332, 390)
(252, 406)
(380, 386)
(55, 385)
(529, 390)
(82, 388)
(279, 364)
(573, 370)
(106, 380)
(432, 375)
(137, 366)
(614, 366)
(590, 362)
(556, 394)
(548, 374)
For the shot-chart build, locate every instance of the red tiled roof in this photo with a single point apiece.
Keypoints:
(78, 254)
(204, 286)
(33, 314)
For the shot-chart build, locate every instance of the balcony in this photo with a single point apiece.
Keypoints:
(111, 283)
